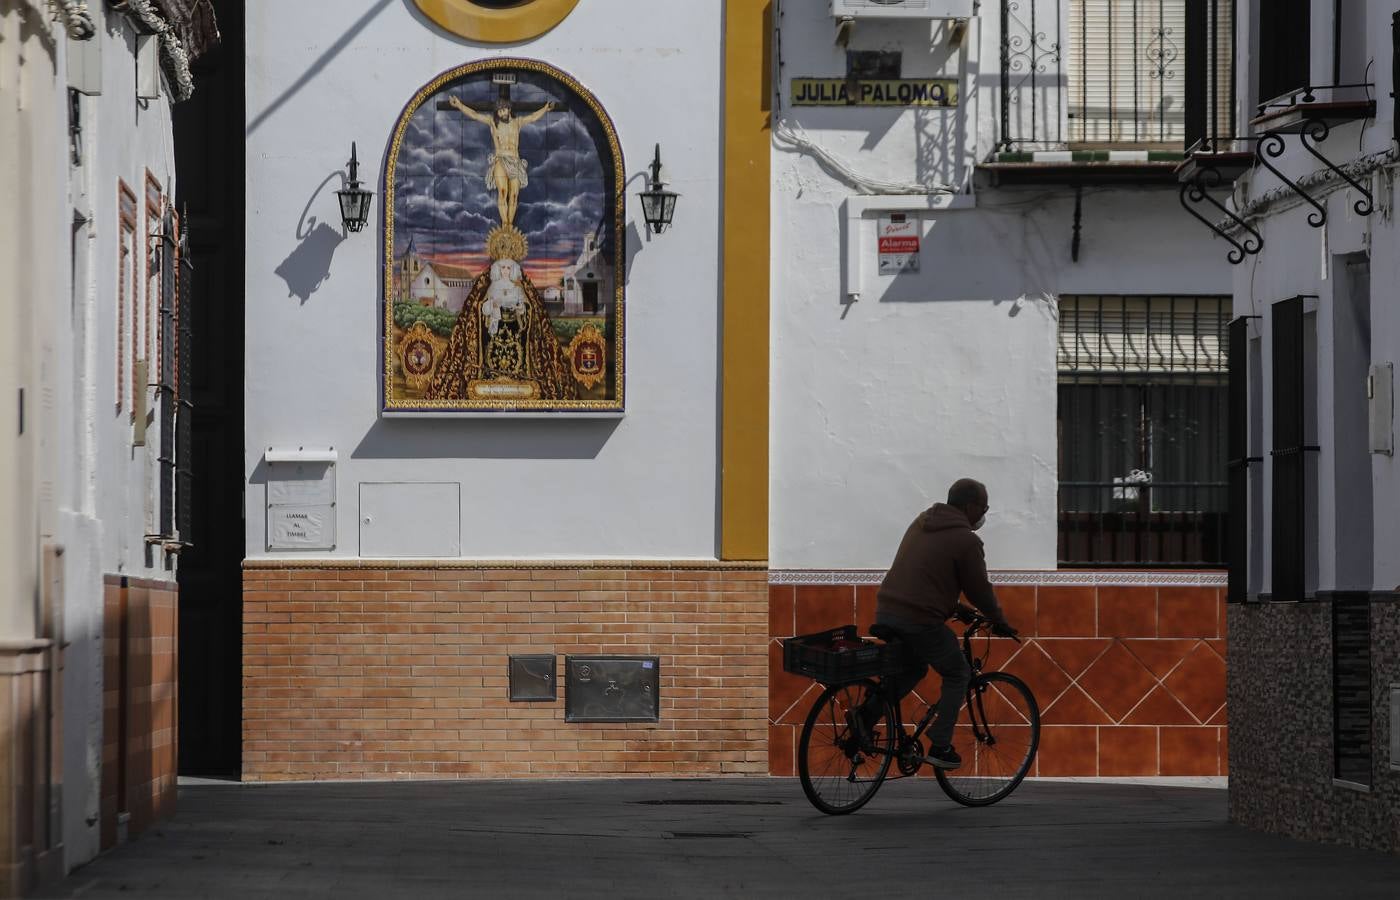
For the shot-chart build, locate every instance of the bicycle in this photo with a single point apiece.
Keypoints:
(842, 764)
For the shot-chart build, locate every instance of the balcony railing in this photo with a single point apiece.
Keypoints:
(1114, 74)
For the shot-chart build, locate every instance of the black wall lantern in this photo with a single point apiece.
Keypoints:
(658, 204)
(354, 199)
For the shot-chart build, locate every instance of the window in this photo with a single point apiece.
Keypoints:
(1238, 435)
(1285, 37)
(150, 346)
(1351, 688)
(1131, 64)
(165, 373)
(128, 278)
(1143, 394)
(181, 354)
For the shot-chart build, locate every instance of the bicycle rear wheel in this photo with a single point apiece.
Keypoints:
(840, 768)
(998, 745)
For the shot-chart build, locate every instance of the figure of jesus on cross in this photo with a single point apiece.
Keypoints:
(505, 170)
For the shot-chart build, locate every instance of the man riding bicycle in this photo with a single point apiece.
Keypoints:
(939, 559)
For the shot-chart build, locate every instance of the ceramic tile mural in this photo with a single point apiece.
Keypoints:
(503, 276)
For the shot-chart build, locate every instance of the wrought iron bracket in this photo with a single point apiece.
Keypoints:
(1309, 115)
(1196, 191)
(1272, 146)
(1314, 132)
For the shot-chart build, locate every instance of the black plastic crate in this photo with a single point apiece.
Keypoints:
(823, 657)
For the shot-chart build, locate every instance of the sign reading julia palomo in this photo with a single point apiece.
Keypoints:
(937, 92)
(503, 267)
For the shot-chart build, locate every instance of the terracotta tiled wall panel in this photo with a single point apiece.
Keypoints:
(139, 703)
(1130, 680)
(401, 673)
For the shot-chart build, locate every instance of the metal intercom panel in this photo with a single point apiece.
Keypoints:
(612, 689)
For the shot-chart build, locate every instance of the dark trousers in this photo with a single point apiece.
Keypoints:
(936, 646)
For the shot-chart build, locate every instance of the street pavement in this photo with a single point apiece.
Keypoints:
(741, 837)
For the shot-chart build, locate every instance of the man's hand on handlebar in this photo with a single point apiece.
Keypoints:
(1004, 629)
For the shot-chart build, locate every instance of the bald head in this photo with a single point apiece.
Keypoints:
(971, 497)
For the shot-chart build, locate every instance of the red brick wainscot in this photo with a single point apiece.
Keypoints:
(1128, 667)
(140, 704)
(399, 669)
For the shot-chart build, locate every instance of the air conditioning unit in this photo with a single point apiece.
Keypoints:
(901, 9)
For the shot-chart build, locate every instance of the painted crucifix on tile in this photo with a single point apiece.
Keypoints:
(503, 282)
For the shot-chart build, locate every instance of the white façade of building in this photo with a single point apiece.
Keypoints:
(1314, 703)
(887, 388)
(561, 487)
(90, 176)
(1344, 268)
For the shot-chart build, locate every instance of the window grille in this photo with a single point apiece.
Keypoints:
(1351, 687)
(1143, 391)
(166, 376)
(184, 394)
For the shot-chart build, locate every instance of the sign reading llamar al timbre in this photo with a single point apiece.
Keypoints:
(937, 92)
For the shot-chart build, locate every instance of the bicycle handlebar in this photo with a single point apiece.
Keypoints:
(976, 622)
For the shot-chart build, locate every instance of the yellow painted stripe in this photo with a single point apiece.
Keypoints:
(744, 420)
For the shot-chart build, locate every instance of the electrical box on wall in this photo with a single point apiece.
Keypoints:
(300, 499)
(148, 67)
(901, 9)
(85, 65)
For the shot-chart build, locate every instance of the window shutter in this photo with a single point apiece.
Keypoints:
(166, 374)
(1126, 81)
(1237, 466)
(1289, 481)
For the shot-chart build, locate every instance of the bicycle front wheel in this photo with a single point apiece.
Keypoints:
(840, 762)
(997, 745)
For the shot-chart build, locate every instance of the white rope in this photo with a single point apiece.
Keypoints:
(794, 137)
(76, 19)
(174, 51)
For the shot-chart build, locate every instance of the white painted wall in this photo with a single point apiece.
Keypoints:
(324, 73)
(1296, 259)
(72, 479)
(879, 405)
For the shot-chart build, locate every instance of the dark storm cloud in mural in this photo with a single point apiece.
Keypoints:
(442, 201)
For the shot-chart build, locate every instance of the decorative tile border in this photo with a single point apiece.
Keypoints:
(1089, 156)
(1140, 578)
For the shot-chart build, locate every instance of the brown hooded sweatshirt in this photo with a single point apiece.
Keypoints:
(939, 558)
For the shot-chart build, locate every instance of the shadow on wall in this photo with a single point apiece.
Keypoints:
(1013, 246)
(483, 438)
(317, 65)
(309, 264)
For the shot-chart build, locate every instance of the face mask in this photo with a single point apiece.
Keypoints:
(980, 522)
